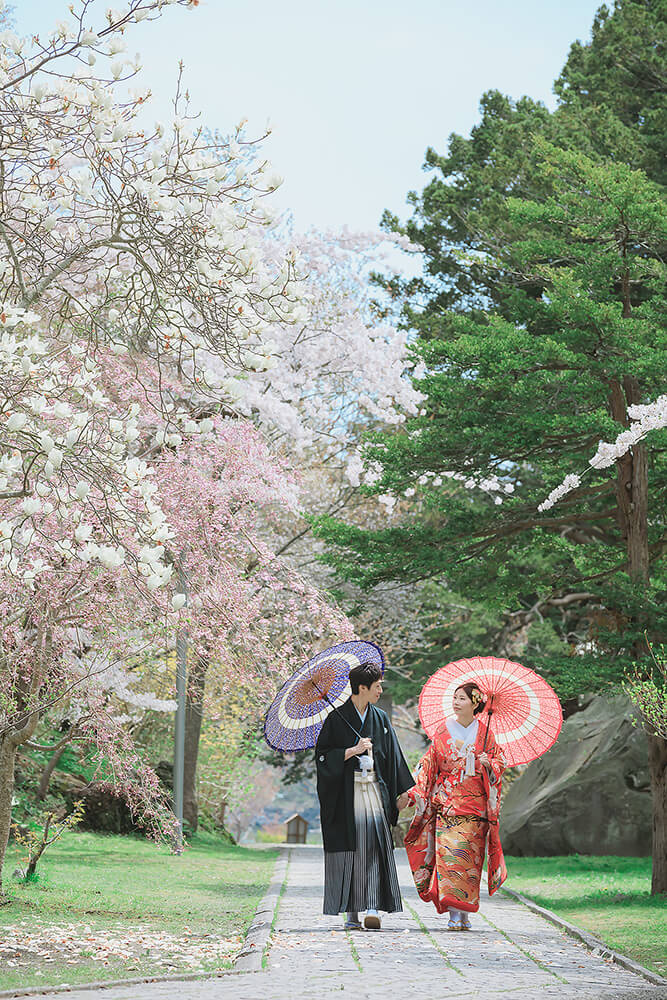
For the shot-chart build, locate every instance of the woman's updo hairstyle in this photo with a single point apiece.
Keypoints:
(475, 695)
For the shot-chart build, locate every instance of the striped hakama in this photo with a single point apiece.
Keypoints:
(366, 878)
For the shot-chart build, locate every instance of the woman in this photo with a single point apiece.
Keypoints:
(457, 799)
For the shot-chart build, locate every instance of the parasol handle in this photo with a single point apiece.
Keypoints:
(327, 699)
(486, 734)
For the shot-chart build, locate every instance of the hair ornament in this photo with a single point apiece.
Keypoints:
(477, 697)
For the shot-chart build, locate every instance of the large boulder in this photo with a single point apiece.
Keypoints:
(590, 794)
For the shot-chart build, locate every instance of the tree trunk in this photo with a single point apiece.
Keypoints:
(7, 761)
(657, 762)
(194, 705)
(632, 498)
(48, 771)
(222, 812)
(632, 485)
(13, 736)
(32, 865)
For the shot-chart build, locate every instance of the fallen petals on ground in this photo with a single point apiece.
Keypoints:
(28, 943)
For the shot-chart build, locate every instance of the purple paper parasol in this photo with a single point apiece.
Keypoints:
(294, 720)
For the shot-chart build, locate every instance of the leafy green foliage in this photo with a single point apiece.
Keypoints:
(615, 86)
(539, 319)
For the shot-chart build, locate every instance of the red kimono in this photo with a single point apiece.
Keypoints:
(455, 814)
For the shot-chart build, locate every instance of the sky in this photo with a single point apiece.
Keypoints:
(355, 90)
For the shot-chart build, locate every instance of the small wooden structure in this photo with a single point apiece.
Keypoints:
(297, 828)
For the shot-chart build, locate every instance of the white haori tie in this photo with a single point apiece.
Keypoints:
(367, 765)
(365, 760)
(467, 735)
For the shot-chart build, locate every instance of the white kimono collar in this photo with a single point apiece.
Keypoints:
(468, 735)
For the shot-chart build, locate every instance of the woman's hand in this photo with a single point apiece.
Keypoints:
(484, 761)
(402, 801)
(363, 746)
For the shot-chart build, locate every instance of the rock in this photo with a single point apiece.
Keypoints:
(104, 812)
(590, 794)
(165, 772)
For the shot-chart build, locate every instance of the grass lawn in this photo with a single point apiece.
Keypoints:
(607, 896)
(108, 907)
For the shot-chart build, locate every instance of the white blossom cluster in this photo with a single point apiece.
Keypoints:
(127, 224)
(147, 245)
(64, 460)
(487, 484)
(17, 53)
(335, 366)
(644, 419)
(103, 675)
(571, 482)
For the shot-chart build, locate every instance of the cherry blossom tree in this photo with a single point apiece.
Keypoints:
(341, 374)
(80, 622)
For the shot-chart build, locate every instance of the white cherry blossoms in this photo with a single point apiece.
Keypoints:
(644, 417)
(329, 364)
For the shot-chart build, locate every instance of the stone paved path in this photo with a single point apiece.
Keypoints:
(511, 953)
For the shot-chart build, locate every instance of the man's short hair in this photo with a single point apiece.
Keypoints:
(366, 674)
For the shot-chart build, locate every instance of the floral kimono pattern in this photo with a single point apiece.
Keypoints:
(455, 816)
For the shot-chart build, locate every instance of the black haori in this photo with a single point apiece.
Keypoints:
(355, 823)
(366, 878)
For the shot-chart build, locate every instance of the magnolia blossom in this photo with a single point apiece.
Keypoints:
(66, 456)
(139, 295)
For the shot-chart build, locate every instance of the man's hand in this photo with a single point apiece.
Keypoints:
(402, 801)
(363, 746)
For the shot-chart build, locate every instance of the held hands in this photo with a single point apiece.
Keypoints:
(402, 801)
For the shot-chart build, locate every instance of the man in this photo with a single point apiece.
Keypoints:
(362, 780)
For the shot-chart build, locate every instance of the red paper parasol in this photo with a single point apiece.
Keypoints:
(523, 711)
